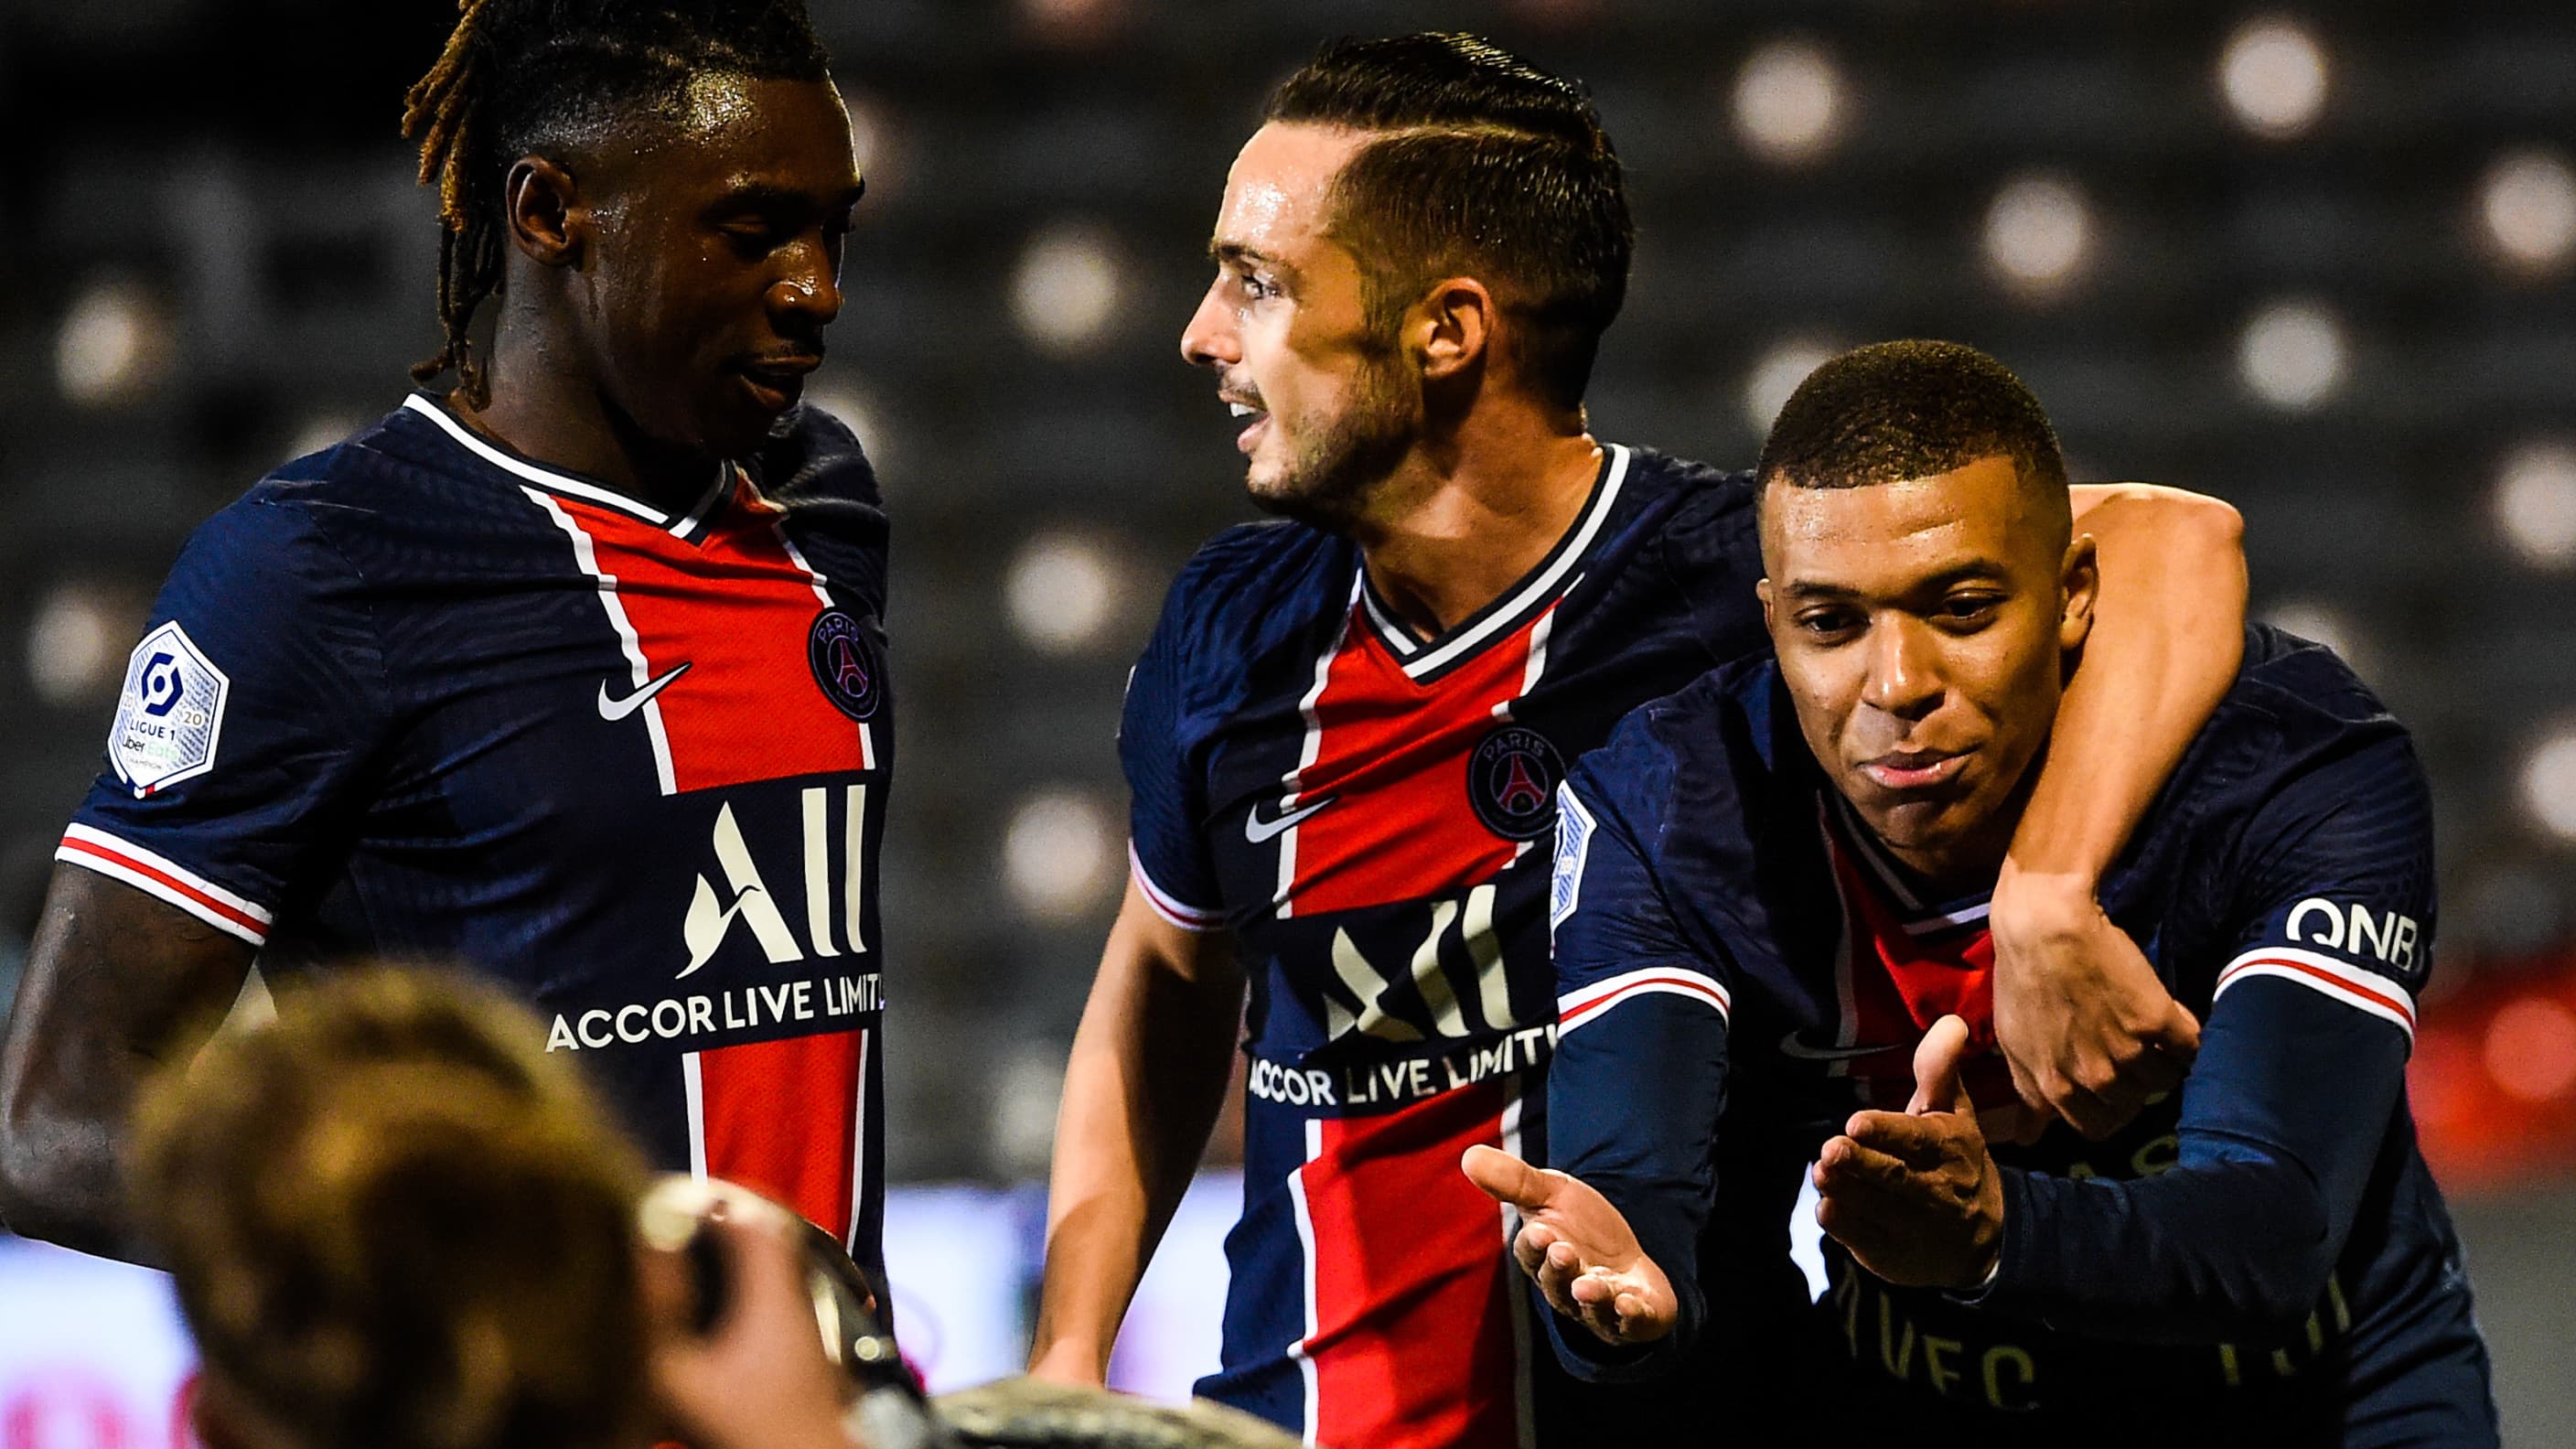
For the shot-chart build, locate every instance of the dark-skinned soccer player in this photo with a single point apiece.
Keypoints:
(1770, 907)
(572, 672)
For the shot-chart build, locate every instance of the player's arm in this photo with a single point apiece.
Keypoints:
(116, 984)
(1147, 1076)
(1610, 1236)
(2300, 1077)
(2088, 1034)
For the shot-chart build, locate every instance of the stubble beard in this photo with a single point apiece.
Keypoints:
(1336, 474)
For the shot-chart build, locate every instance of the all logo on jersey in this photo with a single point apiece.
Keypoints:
(1512, 779)
(170, 717)
(846, 664)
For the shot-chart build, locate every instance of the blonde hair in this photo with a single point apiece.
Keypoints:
(396, 1223)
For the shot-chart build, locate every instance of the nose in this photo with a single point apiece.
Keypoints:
(1209, 340)
(1904, 678)
(808, 287)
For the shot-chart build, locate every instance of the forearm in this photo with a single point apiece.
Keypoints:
(1142, 1089)
(2201, 1254)
(2168, 634)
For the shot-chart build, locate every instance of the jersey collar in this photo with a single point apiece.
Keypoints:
(1897, 885)
(1425, 659)
(572, 485)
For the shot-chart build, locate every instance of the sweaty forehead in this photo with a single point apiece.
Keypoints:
(1878, 533)
(734, 129)
(1275, 195)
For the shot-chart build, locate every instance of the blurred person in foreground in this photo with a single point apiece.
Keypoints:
(1771, 892)
(395, 1223)
(572, 671)
(1344, 739)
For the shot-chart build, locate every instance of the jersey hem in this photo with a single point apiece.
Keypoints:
(1166, 905)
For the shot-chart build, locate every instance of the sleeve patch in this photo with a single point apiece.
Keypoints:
(170, 716)
(2361, 990)
(1574, 827)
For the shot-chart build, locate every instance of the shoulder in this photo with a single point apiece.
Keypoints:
(1693, 758)
(2295, 712)
(1690, 504)
(1254, 584)
(812, 456)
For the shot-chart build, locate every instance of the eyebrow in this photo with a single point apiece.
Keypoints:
(761, 195)
(1974, 571)
(1226, 252)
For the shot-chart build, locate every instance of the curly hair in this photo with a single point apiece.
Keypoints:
(396, 1223)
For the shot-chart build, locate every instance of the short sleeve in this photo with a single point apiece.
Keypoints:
(1166, 849)
(247, 710)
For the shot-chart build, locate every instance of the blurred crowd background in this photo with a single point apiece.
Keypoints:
(2320, 262)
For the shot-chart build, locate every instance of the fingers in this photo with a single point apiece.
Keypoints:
(2177, 1037)
(1507, 1179)
(1846, 1166)
(1916, 1141)
(1936, 1066)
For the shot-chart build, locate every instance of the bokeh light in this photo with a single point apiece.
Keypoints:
(114, 346)
(2531, 1048)
(1067, 286)
(2293, 355)
(2038, 233)
(2274, 75)
(77, 639)
(1060, 854)
(2535, 503)
(1789, 101)
(2527, 210)
(2548, 783)
(2323, 623)
(1064, 590)
(1777, 373)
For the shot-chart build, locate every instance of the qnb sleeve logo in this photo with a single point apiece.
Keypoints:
(170, 717)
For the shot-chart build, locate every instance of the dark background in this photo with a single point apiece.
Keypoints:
(213, 256)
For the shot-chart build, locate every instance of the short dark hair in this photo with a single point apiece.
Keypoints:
(531, 76)
(1487, 166)
(1912, 409)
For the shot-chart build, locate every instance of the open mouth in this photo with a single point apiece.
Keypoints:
(1258, 419)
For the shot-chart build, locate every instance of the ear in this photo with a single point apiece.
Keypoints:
(1770, 605)
(548, 222)
(1452, 326)
(2078, 583)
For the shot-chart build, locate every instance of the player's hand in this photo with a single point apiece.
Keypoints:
(1578, 1249)
(757, 1379)
(1914, 1194)
(2090, 1032)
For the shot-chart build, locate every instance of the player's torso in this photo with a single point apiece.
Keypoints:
(1378, 808)
(637, 768)
(1857, 961)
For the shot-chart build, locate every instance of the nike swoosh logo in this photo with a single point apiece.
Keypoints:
(617, 709)
(1791, 1046)
(1257, 830)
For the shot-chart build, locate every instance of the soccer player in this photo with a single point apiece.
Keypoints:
(1772, 883)
(574, 673)
(1344, 738)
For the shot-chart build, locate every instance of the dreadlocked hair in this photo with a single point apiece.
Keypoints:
(522, 77)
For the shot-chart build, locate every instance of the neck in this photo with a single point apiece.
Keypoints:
(1968, 863)
(1471, 510)
(544, 405)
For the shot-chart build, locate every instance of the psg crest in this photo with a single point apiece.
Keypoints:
(846, 665)
(1512, 780)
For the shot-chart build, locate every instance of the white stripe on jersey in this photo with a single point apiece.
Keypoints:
(2362, 990)
(1578, 1007)
(587, 558)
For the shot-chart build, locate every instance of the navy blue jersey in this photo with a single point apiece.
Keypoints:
(1368, 813)
(419, 697)
(2261, 1256)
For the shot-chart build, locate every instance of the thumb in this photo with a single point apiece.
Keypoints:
(1936, 1067)
(1506, 1178)
(2178, 1034)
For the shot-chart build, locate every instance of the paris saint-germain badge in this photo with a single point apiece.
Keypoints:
(846, 664)
(1512, 780)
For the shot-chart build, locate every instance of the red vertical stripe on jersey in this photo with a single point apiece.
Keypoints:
(1413, 1345)
(1393, 754)
(739, 612)
(1902, 983)
(782, 1118)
